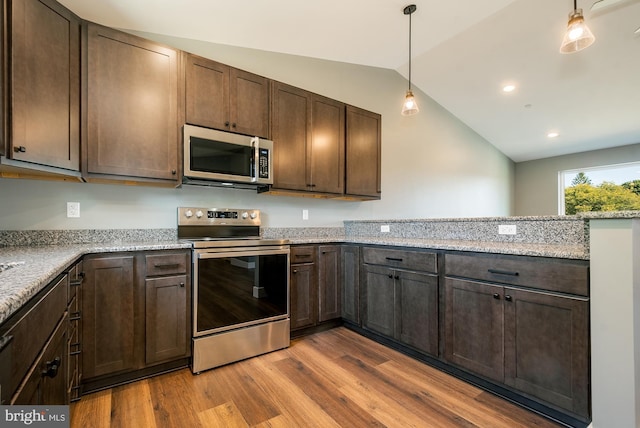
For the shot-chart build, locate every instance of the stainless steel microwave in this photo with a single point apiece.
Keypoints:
(221, 158)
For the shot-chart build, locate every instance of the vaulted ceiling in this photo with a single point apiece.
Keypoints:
(463, 53)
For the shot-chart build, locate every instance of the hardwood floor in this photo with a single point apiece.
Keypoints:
(336, 378)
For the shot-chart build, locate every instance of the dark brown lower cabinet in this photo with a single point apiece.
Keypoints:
(108, 335)
(329, 289)
(303, 296)
(533, 341)
(418, 313)
(350, 282)
(547, 347)
(474, 333)
(379, 314)
(402, 305)
(136, 315)
(315, 286)
(166, 321)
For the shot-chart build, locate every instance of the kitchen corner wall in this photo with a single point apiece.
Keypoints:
(432, 164)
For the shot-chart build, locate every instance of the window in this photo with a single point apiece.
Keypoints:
(603, 188)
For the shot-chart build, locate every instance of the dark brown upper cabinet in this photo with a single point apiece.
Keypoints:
(226, 98)
(41, 88)
(308, 134)
(363, 153)
(131, 108)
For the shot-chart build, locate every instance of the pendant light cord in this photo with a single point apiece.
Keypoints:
(410, 49)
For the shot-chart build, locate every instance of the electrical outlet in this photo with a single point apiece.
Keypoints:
(385, 228)
(506, 229)
(73, 209)
(305, 214)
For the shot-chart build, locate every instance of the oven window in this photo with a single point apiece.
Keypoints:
(237, 290)
(220, 158)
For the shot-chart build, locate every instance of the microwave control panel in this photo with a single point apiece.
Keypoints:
(263, 163)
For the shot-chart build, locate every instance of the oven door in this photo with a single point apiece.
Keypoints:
(236, 288)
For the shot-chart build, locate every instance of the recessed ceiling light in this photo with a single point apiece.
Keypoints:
(508, 88)
(552, 134)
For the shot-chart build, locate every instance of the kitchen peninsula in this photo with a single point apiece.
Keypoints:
(595, 241)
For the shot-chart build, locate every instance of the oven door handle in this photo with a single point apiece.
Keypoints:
(255, 143)
(207, 254)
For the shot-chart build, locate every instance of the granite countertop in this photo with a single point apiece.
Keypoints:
(37, 266)
(515, 248)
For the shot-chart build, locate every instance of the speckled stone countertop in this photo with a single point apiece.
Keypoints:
(522, 249)
(47, 253)
(548, 236)
(39, 265)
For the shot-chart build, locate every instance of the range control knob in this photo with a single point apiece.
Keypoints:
(254, 214)
(199, 214)
(188, 214)
(245, 215)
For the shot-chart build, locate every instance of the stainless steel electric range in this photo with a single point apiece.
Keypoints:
(240, 286)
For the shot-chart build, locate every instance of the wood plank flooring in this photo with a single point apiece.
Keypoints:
(336, 378)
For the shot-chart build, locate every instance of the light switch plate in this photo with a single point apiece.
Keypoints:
(305, 214)
(385, 228)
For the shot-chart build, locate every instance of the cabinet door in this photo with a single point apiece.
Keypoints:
(547, 348)
(418, 296)
(249, 103)
(350, 281)
(166, 318)
(363, 148)
(207, 93)
(108, 337)
(290, 132)
(474, 333)
(132, 116)
(303, 295)
(379, 311)
(327, 145)
(45, 84)
(329, 286)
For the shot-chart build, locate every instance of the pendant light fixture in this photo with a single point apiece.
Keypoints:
(410, 106)
(578, 35)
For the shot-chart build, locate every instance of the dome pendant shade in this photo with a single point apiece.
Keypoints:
(410, 106)
(578, 35)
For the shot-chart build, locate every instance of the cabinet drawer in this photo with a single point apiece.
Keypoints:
(166, 264)
(46, 383)
(560, 275)
(32, 327)
(403, 259)
(303, 254)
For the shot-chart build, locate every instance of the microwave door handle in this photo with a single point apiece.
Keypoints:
(255, 143)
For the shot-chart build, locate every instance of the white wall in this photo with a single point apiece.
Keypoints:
(432, 164)
(615, 322)
(536, 182)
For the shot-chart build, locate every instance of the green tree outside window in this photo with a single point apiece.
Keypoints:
(583, 196)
